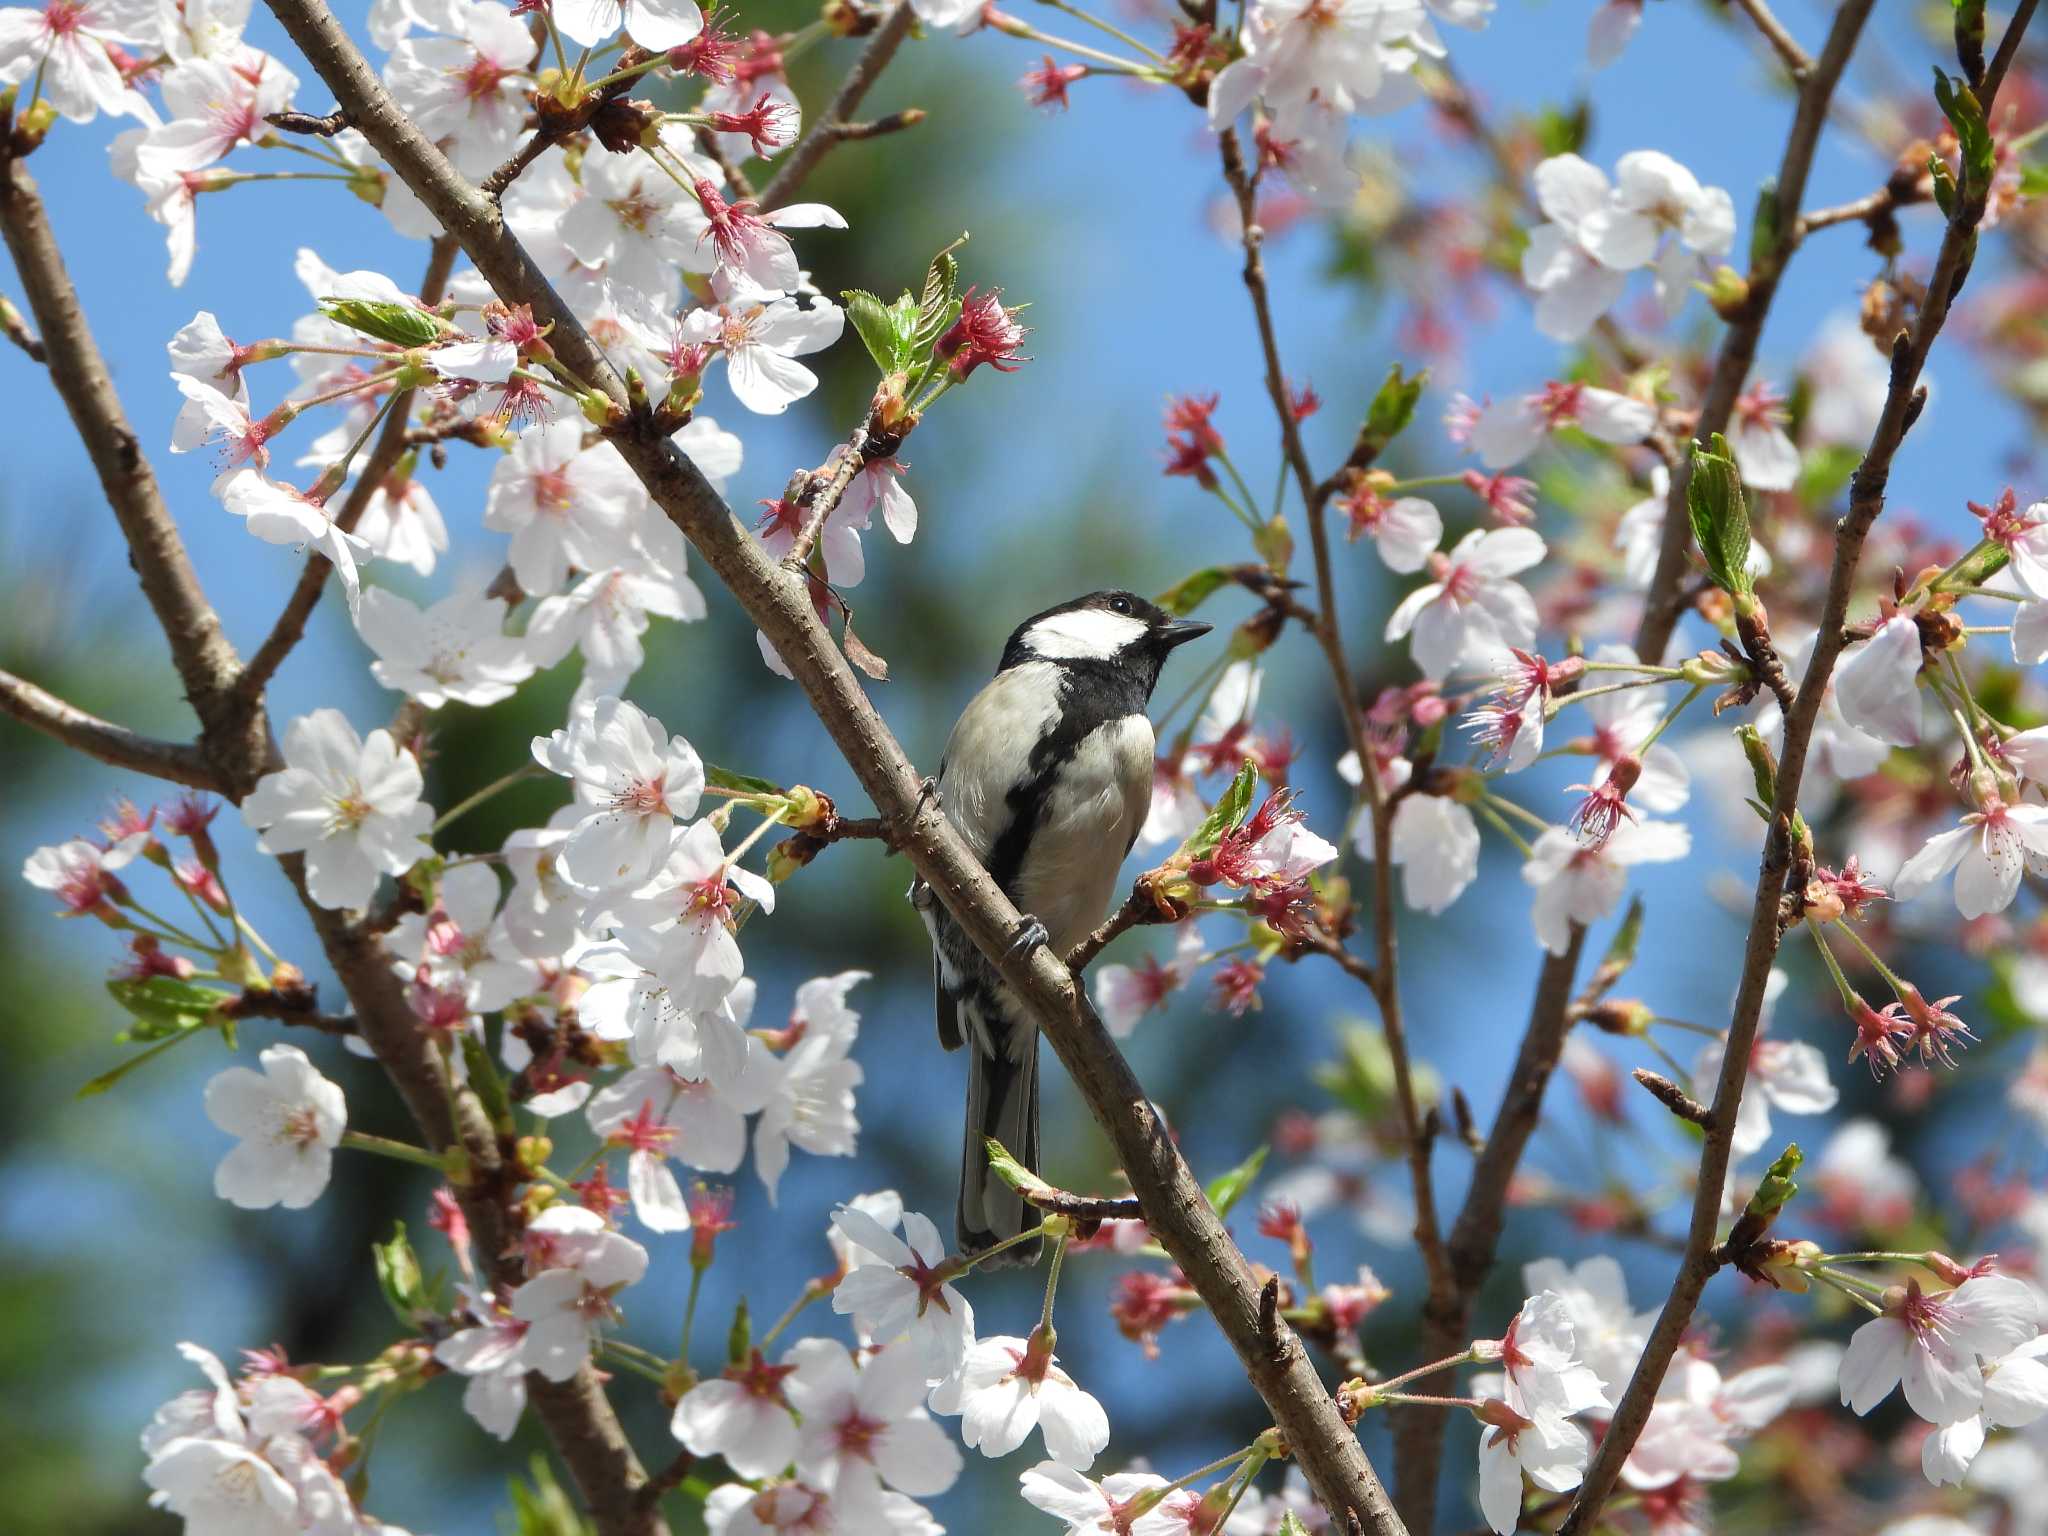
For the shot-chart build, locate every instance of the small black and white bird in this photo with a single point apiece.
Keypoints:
(1048, 777)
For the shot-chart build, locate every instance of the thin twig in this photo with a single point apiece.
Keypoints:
(1674, 1098)
(306, 122)
(881, 127)
(821, 494)
(385, 453)
(1783, 43)
(824, 135)
(176, 761)
(1139, 908)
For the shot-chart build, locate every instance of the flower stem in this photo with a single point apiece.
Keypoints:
(461, 808)
(1102, 26)
(1052, 1283)
(1500, 825)
(1464, 1358)
(690, 1309)
(959, 1264)
(810, 1293)
(1848, 992)
(1670, 715)
(399, 1151)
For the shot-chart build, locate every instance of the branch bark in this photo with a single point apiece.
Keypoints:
(1903, 400)
(177, 761)
(1175, 1207)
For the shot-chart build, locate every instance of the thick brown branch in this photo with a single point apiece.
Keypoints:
(1903, 401)
(1664, 606)
(392, 441)
(826, 132)
(1176, 1210)
(206, 662)
(176, 761)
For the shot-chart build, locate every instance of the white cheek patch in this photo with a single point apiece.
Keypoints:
(1086, 634)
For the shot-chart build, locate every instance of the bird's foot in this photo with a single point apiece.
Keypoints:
(927, 791)
(1030, 934)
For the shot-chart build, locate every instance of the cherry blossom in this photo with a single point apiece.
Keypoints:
(2015, 1395)
(1508, 431)
(215, 105)
(1580, 885)
(1764, 452)
(747, 1415)
(1877, 684)
(281, 514)
(1931, 1341)
(467, 90)
(805, 1094)
(656, 25)
(1124, 994)
(350, 804)
(606, 614)
(1435, 841)
(687, 908)
(866, 1428)
(905, 1290)
(489, 1352)
(1607, 1334)
(1090, 1507)
(760, 338)
(1008, 1387)
(566, 506)
(2023, 535)
(635, 222)
(1660, 213)
(1471, 610)
(456, 650)
(68, 45)
(81, 874)
(1988, 852)
(401, 523)
(1405, 531)
(1539, 1359)
(632, 785)
(1353, 55)
(1542, 1443)
(569, 1296)
(289, 1120)
(751, 256)
(1573, 287)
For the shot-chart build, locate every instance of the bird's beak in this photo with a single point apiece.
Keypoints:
(1180, 632)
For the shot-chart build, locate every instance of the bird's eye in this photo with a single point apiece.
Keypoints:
(1119, 605)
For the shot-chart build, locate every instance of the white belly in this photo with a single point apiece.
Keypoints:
(1093, 813)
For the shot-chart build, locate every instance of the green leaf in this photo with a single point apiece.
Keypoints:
(1290, 1525)
(2033, 180)
(1825, 472)
(739, 1338)
(1185, 596)
(741, 783)
(1226, 1189)
(1965, 114)
(872, 323)
(113, 1075)
(164, 1005)
(403, 325)
(399, 1277)
(1778, 1186)
(1763, 768)
(1391, 410)
(1621, 949)
(938, 305)
(1944, 185)
(542, 1508)
(1720, 517)
(1232, 808)
(1764, 230)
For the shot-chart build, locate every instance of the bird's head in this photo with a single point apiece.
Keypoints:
(1118, 629)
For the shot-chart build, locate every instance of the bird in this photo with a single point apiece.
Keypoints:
(1047, 776)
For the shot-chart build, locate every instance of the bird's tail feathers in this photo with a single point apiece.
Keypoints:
(1002, 1102)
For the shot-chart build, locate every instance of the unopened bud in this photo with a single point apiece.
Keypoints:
(1788, 1266)
(1621, 1016)
(530, 1154)
(1728, 292)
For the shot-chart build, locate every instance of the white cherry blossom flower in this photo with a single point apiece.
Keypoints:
(1090, 1508)
(214, 105)
(1351, 55)
(1435, 841)
(747, 1414)
(289, 1120)
(903, 1289)
(457, 650)
(350, 805)
(656, 25)
(632, 785)
(1008, 1387)
(751, 256)
(1542, 1443)
(566, 506)
(1988, 852)
(1577, 884)
(760, 339)
(582, 1265)
(1764, 452)
(401, 523)
(805, 1095)
(2015, 1395)
(1573, 287)
(688, 906)
(488, 1353)
(1930, 1341)
(633, 221)
(1471, 610)
(1877, 683)
(467, 91)
(67, 43)
(1539, 1357)
(1659, 203)
(1783, 1074)
(1607, 1333)
(1405, 531)
(281, 514)
(1508, 431)
(1124, 994)
(866, 1428)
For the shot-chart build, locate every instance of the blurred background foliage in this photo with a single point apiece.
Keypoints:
(1032, 488)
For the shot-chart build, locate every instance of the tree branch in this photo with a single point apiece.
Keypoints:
(1782, 42)
(1664, 607)
(176, 761)
(827, 129)
(392, 441)
(1903, 400)
(1177, 1212)
(205, 660)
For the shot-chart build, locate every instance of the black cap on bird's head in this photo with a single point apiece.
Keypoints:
(1116, 628)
